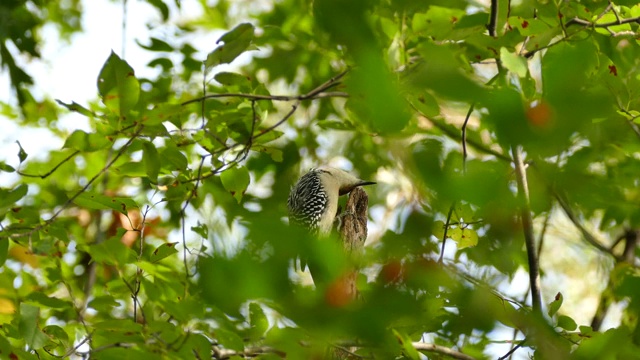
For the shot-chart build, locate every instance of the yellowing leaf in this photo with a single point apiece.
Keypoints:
(514, 63)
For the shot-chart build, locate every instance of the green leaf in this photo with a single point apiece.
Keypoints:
(335, 125)
(229, 79)
(554, 306)
(528, 27)
(118, 86)
(89, 142)
(437, 22)
(131, 169)
(566, 323)
(160, 113)
(201, 229)
(151, 160)
(28, 326)
(424, 102)
(275, 153)
(156, 45)
(175, 159)
(269, 136)
(235, 181)
(120, 325)
(47, 301)
(22, 155)
(4, 250)
(514, 63)
(229, 339)
(104, 303)
(236, 41)
(6, 168)
(438, 229)
(9, 198)
(75, 107)
(112, 251)
(92, 200)
(465, 237)
(257, 320)
(58, 338)
(408, 349)
(163, 251)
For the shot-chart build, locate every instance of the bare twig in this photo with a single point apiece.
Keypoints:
(446, 229)
(527, 226)
(493, 19)
(464, 136)
(219, 353)
(45, 175)
(82, 190)
(590, 238)
(512, 350)
(420, 346)
(586, 23)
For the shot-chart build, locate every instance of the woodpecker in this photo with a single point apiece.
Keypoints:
(313, 204)
(313, 200)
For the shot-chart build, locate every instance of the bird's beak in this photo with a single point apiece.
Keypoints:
(361, 183)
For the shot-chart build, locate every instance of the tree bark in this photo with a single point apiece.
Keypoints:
(353, 232)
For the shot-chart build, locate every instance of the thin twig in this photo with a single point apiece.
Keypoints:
(590, 238)
(512, 350)
(586, 23)
(493, 19)
(83, 189)
(45, 175)
(420, 346)
(446, 229)
(464, 137)
(527, 226)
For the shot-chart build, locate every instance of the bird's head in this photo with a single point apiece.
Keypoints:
(340, 179)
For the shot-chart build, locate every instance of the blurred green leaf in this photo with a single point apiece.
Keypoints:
(156, 45)
(75, 107)
(514, 63)
(103, 303)
(229, 339)
(118, 86)
(236, 41)
(6, 168)
(257, 320)
(4, 250)
(83, 141)
(9, 198)
(163, 251)
(555, 305)
(235, 181)
(28, 326)
(151, 160)
(97, 201)
(567, 323)
(47, 301)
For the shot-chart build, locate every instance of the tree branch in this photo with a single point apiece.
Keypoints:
(527, 227)
(220, 354)
(590, 238)
(82, 190)
(586, 23)
(45, 175)
(420, 346)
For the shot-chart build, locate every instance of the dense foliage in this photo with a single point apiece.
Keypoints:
(161, 233)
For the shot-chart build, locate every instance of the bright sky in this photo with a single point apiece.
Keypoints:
(68, 70)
